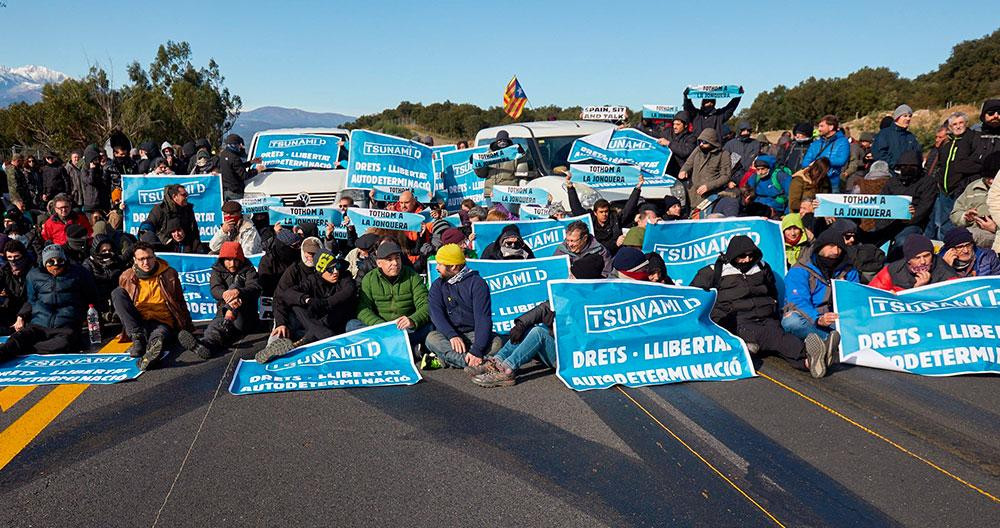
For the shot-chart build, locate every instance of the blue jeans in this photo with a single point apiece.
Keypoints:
(416, 335)
(441, 346)
(800, 327)
(538, 342)
(940, 223)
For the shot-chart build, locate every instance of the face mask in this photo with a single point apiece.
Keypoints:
(792, 240)
(744, 266)
(201, 162)
(705, 147)
(828, 264)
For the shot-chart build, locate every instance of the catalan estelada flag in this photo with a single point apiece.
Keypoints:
(514, 99)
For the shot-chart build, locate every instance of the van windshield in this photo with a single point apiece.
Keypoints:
(301, 151)
(546, 154)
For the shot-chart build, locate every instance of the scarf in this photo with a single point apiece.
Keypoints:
(460, 275)
(144, 274)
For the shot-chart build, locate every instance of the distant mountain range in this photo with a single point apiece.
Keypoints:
(25, 83)
(267, 117)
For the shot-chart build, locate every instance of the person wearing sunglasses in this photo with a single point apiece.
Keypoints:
(989, 132)
(236, 288)
(51, 319)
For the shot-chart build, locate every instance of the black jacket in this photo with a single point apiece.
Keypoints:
(234, 172)
(714, 119)
(166, 213)
(55, 179)
(681, 146)
(336, 302)
(608, 233)
(742, 297)
(15, 293)
(540, 314)
(106, 273)
(96, 189)
(494, 251)
(278, 256)
(923, 191)
(244, 279)
(285, 294)
(958, 163)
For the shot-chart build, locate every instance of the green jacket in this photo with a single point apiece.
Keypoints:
(383, 301)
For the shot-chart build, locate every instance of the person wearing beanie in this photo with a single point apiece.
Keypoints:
(909, 181)
(175, 205)
(580, 242)
(770, 184)
(150, 302)
(971, 209)
(508, 246)
(708, 115)
(746, 304)
(236, 288)
(744, 146)
(630, 263)
(54, 228)
(960, 252)
(461, 311)
(833, 145)
(77, 244)
(282, 253)
(178, 241)
(50, 320)
(607, 223)
(647, 215)
(236, 227)
(918, 267)
(671, 208)
(892, 141)
(867, 258)
(680, 140)
(235, 171)
(790, 156)
(502, 173)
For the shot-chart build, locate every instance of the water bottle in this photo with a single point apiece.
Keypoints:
(94, 326)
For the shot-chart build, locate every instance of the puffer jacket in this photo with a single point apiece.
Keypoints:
(386, 300)
(958, 163)
(742, 297)
(59, 302)
(809, 291)
(835, 148)
(243, 279)
(897, 277)
(891, 142)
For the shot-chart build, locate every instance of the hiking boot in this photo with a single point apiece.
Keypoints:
(203, 351)
(482, 368)
(495, 377)
(278, 347)
(816, 354)
(832, 346)
(187, 341)
(138, 346)
(153, 351)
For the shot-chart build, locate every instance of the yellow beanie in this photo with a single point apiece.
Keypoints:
(450, 255)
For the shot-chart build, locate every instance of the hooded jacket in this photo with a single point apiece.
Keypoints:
(246, 234)
(772, 190)
(681, 147)
(235, 171)
(244, 280)
(462, 304)
(502, 173)
(106, 272)
(608, 233)
(715, 118)
(593, 246)
(958, 163)
(891, 142)
(835, 148)
(95, 184)
(711, 169)
(747, 148)
(15, 288)
(989, 137)
(743, 297)
(792, 253)
(897, 276)
(168, 210)
(494, 251)
(277, 258)
(808, 287)
(59, 302)
(334, 303)
(923, 191)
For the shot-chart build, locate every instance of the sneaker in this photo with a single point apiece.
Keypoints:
(495, 377)
(187, 341)
(278, 347)
(430, 362)
(153, 351)
(816, 354)
(832, 346)
(138, 346)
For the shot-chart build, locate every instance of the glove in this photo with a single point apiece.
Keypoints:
(517, 333)
(687, 91)
(741, 89)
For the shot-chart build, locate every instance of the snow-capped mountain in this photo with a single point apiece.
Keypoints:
(25, 83)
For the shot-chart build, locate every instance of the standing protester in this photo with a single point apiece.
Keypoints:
(831, 144)
(235, 288)
(147, 157)
(607, 224)
(95, 191)
(892, 141)
(708, 116)
(54, 229)
(236, 227)
(989, 132)
(55, 179)
(744, 146)
(235, 171)
(680, 141)
(502, 173)
(958, 164)
(708, 168)
(17, 182)
(580, 242)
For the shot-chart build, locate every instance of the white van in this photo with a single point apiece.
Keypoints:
(304, 164)
(547, 145)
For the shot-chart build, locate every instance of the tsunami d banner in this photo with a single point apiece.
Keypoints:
(389, 162)
(622, 147)
(689, 245)
(58, 369)
(889, 206)
(375, 356)
(942, 329)
(141, 193)
(655, 111)
(195, 274)
(542, 236)
(516, 286)
(259, 205)
(459, 179)
(487, 158)
(604, 113)
(362, 219)
(289, 216)
(297, 151)
(632, 333)
(512, 194)
(713, 91)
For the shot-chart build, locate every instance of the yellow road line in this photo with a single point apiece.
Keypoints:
(703, 459)
(13, 394)
(19, 434)
(880, 437)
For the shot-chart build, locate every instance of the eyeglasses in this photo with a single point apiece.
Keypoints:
(993, 112)
(849, 236)
(145, 259)
(63, 208)
(55, 262)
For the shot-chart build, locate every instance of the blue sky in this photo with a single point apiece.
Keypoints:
(357, 57)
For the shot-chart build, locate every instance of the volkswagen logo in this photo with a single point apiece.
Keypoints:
(303, 197)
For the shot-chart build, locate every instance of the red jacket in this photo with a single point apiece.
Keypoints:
(896, 277)
(54, 230)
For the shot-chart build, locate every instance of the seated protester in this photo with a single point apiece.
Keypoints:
(340, 242)
(658, 269)
(747, 305)
(923, 191)
(106, 265)
(630, 263)
(607, 224)
(970, 210)
(454, 235)
(809, 302)
(394, 292)
(868, 259)
(178, 241)
(872, 183)
(236, 227)
(647, 215)
(282, 253)
(671, 208)
(285, 297)
(77, 245)
(13, 283)
(174, 206)
(54, 229)
(461, 312)
(51, 319)
(918, 267)
(968, 260)
(236, 290)
(580, 242)
(17, 227)
(531, 337)
(508, 246)
(770, 185)
(361, 259)
(807, 183)
(796, 238)
(150, 303)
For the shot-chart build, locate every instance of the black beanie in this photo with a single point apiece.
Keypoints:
(803, 128)
(956, 236)
(590, 266)
(916, 244)
(682, 116)
(668, 202)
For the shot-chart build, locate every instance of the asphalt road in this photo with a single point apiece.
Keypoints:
(861, 447)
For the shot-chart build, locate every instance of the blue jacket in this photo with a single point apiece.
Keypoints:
(807, 290)
(775, 197)
(987, 262)
(836, 149)
(463, 307)
(892, 141)
(60, 302)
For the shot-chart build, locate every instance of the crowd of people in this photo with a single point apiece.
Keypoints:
(64, 248)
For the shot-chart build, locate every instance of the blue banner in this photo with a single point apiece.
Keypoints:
(512, 194)
(391, 163)
(195, 274)
(942, 329)
(542, 236)
(459, 179)
(689, 245)
(516, 286)
(654, 111)
(534, 212)
(485, 159)
(59, 369)
(362, 219)
(632, 333)
(141, 193)
(599, 176)
(713, 91)
(289, 216)
(297, 151)
(375, 356)
(622, 147)
(259, 205)
(889, 206)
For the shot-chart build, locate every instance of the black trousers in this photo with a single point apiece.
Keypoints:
(771, 337)
(221, 333)
(36, 339)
